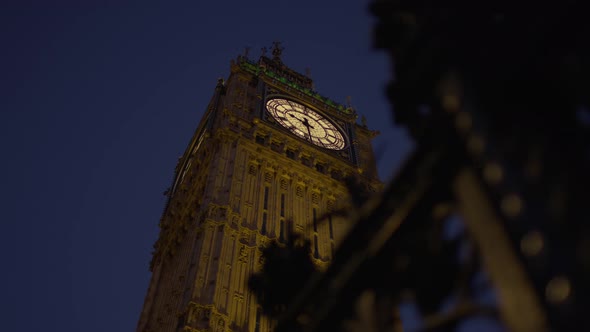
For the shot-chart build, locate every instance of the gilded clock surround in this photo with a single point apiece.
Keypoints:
(306, 123)
(236, 188)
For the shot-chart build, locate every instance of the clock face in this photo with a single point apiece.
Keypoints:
(306, 123)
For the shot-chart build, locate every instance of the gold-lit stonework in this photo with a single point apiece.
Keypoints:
(242, 183)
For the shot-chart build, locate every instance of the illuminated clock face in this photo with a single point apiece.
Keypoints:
(305, 123)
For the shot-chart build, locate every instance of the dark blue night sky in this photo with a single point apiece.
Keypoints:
(100, 98)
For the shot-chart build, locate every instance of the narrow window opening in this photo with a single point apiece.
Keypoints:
(316, 253)
(263, 228)
(290, 154)
(265, 205)
(331, 227)
(306, 161)
(282, 231)
(319, 168)
(275, 147)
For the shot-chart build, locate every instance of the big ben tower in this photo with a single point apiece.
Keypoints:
(269, 155)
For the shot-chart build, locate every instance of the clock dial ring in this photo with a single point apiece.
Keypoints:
(306, 123)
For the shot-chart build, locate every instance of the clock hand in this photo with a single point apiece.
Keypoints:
(305, 122)
(293, 116)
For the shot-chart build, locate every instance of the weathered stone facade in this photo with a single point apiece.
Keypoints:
(244, 181)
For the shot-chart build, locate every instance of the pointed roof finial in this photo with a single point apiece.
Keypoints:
(349, 101)
(364, 121)
(277, 50)
(308, 72)
(246, 51)
(264, 49)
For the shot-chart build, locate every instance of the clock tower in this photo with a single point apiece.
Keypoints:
(268, 158)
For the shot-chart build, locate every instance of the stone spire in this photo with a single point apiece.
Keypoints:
(277, 50)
